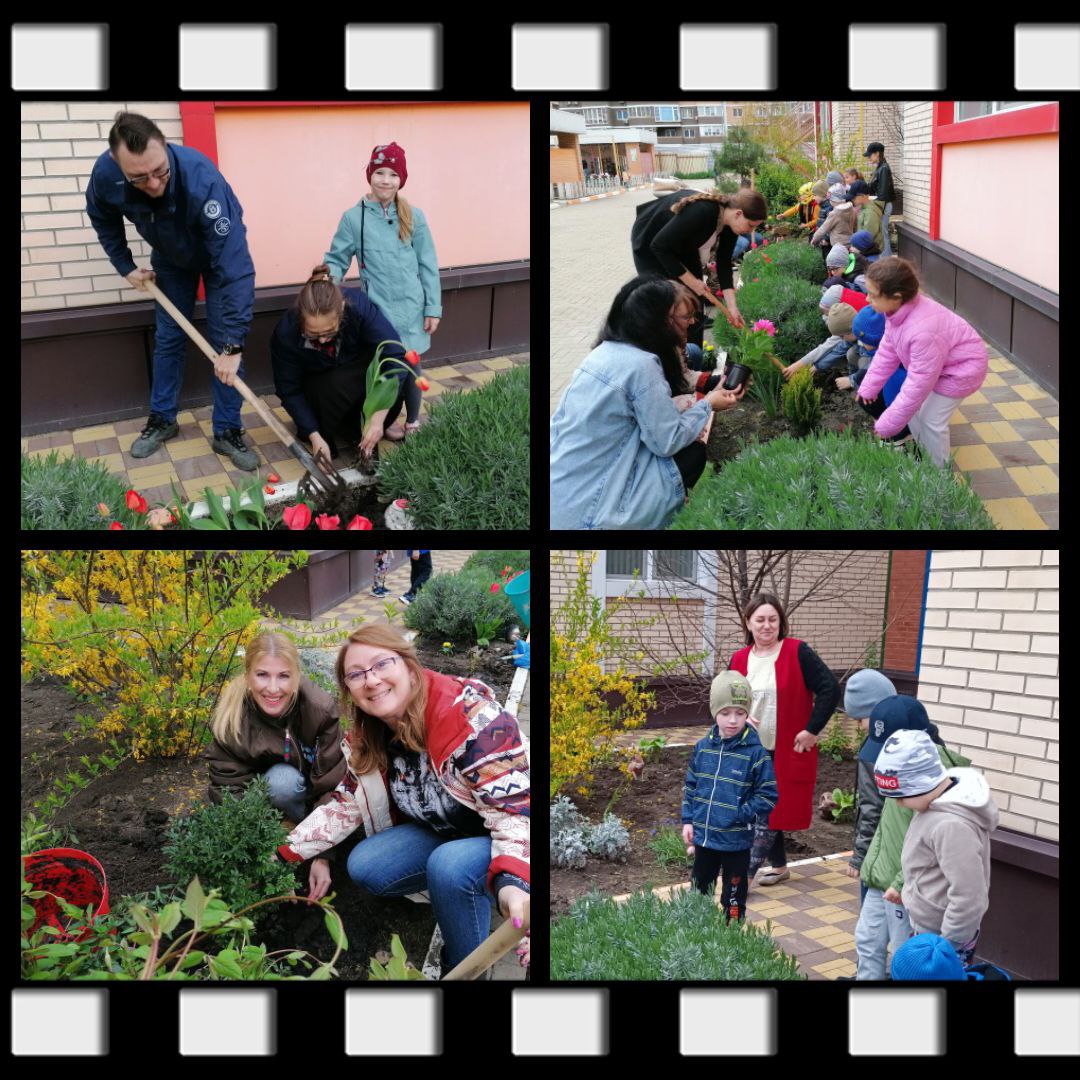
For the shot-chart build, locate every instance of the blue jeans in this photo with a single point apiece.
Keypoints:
(288, 790)
(693, 356)
(170, 345)
(410, 857)
(742, 246)
(886, 249)
(832, 358)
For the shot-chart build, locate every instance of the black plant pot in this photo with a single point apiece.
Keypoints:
(735, 376)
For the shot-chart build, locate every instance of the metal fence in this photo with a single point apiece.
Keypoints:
(597, 185)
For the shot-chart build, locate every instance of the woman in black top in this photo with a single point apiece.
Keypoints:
(320, 351)
(671, 235)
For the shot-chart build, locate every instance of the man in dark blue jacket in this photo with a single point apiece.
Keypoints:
(183, 208)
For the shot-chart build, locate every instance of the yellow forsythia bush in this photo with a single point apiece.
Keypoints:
(583, 724)
(149, 637)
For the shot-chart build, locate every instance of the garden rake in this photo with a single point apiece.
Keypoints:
(321, 480)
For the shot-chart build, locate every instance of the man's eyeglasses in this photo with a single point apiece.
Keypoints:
(382, 668)
(138, 181)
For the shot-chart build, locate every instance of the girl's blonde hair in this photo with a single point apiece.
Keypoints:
(404, 217)
(230, 711)
(370, 735)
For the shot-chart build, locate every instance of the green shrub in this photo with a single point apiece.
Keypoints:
(648, 938)
(828, 481)
(693, 176)
(793, 258)
(492, 563)
(449, 605)
(63, 493)
(791, 304)
(779, 184)
(801, 400)
(468, 467)
(669, 847)
(230, 846)
(727, 185)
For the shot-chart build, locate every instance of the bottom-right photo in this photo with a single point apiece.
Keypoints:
(805, 764)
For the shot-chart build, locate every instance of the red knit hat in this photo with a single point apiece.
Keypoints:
(390, 156)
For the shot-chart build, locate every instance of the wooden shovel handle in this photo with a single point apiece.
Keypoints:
(207, 350)
(490, 950)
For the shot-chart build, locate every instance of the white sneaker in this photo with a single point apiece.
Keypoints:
(405, 599)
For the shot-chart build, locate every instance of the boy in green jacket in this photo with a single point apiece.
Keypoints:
(883, 919)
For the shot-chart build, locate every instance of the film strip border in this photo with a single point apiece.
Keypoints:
(426, 56)
(624, 1022)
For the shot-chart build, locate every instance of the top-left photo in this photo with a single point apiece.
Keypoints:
(274, 315)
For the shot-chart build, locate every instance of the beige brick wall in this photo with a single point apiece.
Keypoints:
(989, 674)
(62, 263)
(857, 123)
(664, 631)
(563, 568)
(916, 175)
(843, 618)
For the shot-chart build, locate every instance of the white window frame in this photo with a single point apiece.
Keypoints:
(712, 129)
(622, 114)
(995, 111)
(702, 588)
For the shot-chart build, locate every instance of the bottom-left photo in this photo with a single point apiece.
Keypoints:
(266, 765)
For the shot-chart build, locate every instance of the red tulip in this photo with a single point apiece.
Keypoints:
(494, 587)
(114, 526)
(359, 522)
(273, 478)
(135, 501)
(325, 521)
(297, 517)
(412, 357)
(423, 384)
(268, 489)
(766, 258)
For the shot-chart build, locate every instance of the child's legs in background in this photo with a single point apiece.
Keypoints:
(706, 868)
(381, 565)
(871, 936)
(886, 247)
(694, 357)
(736, 878)
(421, 571)
(897, 924)
(930, 426)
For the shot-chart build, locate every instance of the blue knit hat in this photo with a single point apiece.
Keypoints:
(928, 957)
(862, 240)
(869, 327)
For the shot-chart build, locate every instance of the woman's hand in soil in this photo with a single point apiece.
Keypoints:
(319, 447)
(721, 399)
(512, 902)
(371, 439)
(318, 879)
(805, 742)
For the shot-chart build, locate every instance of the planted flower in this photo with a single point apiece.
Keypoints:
(297, 517)
(327, 521)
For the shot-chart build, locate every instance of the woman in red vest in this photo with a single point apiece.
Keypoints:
(794, 696)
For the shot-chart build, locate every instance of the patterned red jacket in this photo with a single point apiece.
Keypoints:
(479, 755)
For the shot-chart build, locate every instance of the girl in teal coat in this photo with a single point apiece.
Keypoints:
(392, 244)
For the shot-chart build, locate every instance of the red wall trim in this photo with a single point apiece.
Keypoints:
(200, 127)
(945, 129)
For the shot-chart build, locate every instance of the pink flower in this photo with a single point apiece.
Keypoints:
(494, 587)
(358, 522)
(325, 521)
(712, 266)
(764, 243)
(297, 517)
(719, 292)
(764, 324)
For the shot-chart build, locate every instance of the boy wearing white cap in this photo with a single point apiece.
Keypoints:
(729, 784)
(946, 854)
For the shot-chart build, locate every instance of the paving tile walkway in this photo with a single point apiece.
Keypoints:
(189, 460)
(1004, 437)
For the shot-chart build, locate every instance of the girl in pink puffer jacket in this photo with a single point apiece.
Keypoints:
(945, 358)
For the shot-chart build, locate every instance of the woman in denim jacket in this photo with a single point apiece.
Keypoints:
(622, 454)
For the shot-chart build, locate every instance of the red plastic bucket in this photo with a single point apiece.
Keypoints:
(74, 875)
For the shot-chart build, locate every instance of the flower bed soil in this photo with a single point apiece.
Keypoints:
(656, 800)
(121, 819)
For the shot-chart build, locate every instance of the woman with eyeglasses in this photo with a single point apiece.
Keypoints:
(272, 721)
(624, 451)
(438, 777)
(320, 350)
(394, 251)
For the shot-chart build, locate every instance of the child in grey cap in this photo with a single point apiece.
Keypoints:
(946, 854)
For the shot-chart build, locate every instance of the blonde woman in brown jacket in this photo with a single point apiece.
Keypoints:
(273, 721)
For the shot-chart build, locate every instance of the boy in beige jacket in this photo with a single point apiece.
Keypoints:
(946, 855)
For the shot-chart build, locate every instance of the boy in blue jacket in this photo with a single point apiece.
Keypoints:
(729, 784)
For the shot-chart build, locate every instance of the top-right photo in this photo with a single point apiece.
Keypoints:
(802, 315)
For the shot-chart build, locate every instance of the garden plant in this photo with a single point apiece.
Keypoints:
(648, 938)
(468, 467)
(72, 493)
(789, 259)
(147, 637)
(454, 607)
(779, 184)
(801, 401)
(790, 303)
(829, 481)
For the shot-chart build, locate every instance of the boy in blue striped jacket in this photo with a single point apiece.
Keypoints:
(729, 784)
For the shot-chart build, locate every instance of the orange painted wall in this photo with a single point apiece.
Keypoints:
(987, 189)
(297, 169)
